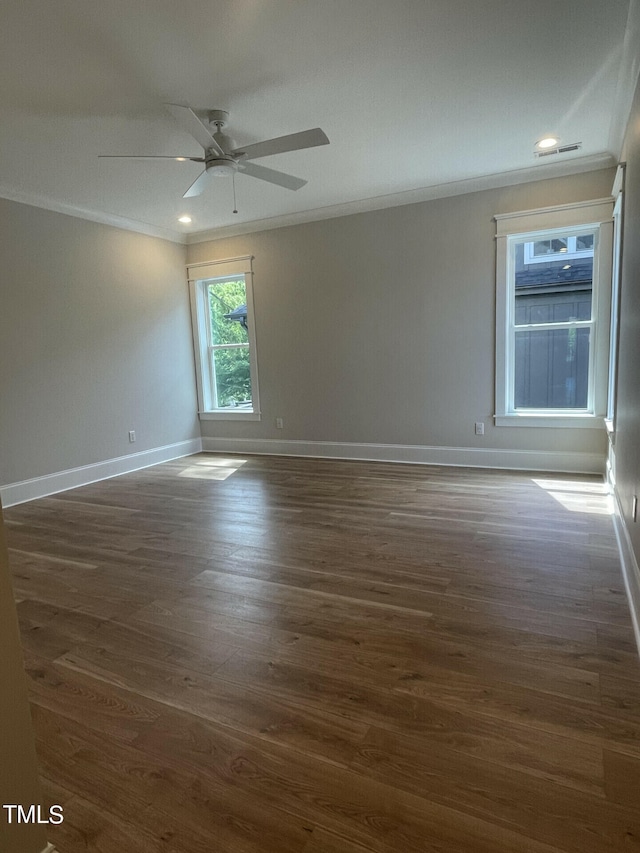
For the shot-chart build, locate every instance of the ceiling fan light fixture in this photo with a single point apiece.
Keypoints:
(222, 168)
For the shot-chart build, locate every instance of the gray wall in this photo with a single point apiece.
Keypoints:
(95, 340)
(19, 782)
(627, 448)
(380, 327)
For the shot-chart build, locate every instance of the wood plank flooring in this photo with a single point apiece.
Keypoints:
(271, 655)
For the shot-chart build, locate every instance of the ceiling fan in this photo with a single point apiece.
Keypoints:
(221, 156)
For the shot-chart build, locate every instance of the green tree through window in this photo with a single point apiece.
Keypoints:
(229, 349)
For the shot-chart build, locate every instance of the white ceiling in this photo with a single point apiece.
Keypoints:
(413, 94)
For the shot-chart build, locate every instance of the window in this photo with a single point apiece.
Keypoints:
(552, 326)
(224, 339)
(552, 316)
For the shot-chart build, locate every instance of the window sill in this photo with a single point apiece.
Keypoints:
(611, 430)
(229, 415)
(554, 421)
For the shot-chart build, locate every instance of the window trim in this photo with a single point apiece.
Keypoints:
(616, 279)
(516, 227)
(199, 275)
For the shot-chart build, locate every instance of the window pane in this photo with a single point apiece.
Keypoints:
(228, 312)
(554, 291)
(563, 307)
(552, 369)
(232, 377)
(584, 243)
(550, 247)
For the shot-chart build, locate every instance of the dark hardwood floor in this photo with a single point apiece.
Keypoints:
(271, 655)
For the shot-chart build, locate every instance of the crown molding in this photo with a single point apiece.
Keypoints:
(485, 182)
(541, 172)
(47, 203)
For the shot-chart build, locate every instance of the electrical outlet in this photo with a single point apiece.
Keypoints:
(279, 423)
(479, 428)
(132, 435)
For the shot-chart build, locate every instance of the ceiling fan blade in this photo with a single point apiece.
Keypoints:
(178, 157)
(198, 185)
(292, 142)
(289, 182)
(193, 125)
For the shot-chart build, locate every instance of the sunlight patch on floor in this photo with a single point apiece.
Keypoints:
(577, 496)
(212, 469)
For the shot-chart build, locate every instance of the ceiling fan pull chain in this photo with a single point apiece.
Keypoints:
(235, 206)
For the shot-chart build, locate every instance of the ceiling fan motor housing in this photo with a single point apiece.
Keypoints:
(221, 167)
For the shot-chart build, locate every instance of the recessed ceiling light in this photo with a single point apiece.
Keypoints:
(185, 219)
(181, 159)
(547, 142)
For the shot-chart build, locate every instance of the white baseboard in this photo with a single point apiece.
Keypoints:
(630, 570)
(468, 457)
(50, 484)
